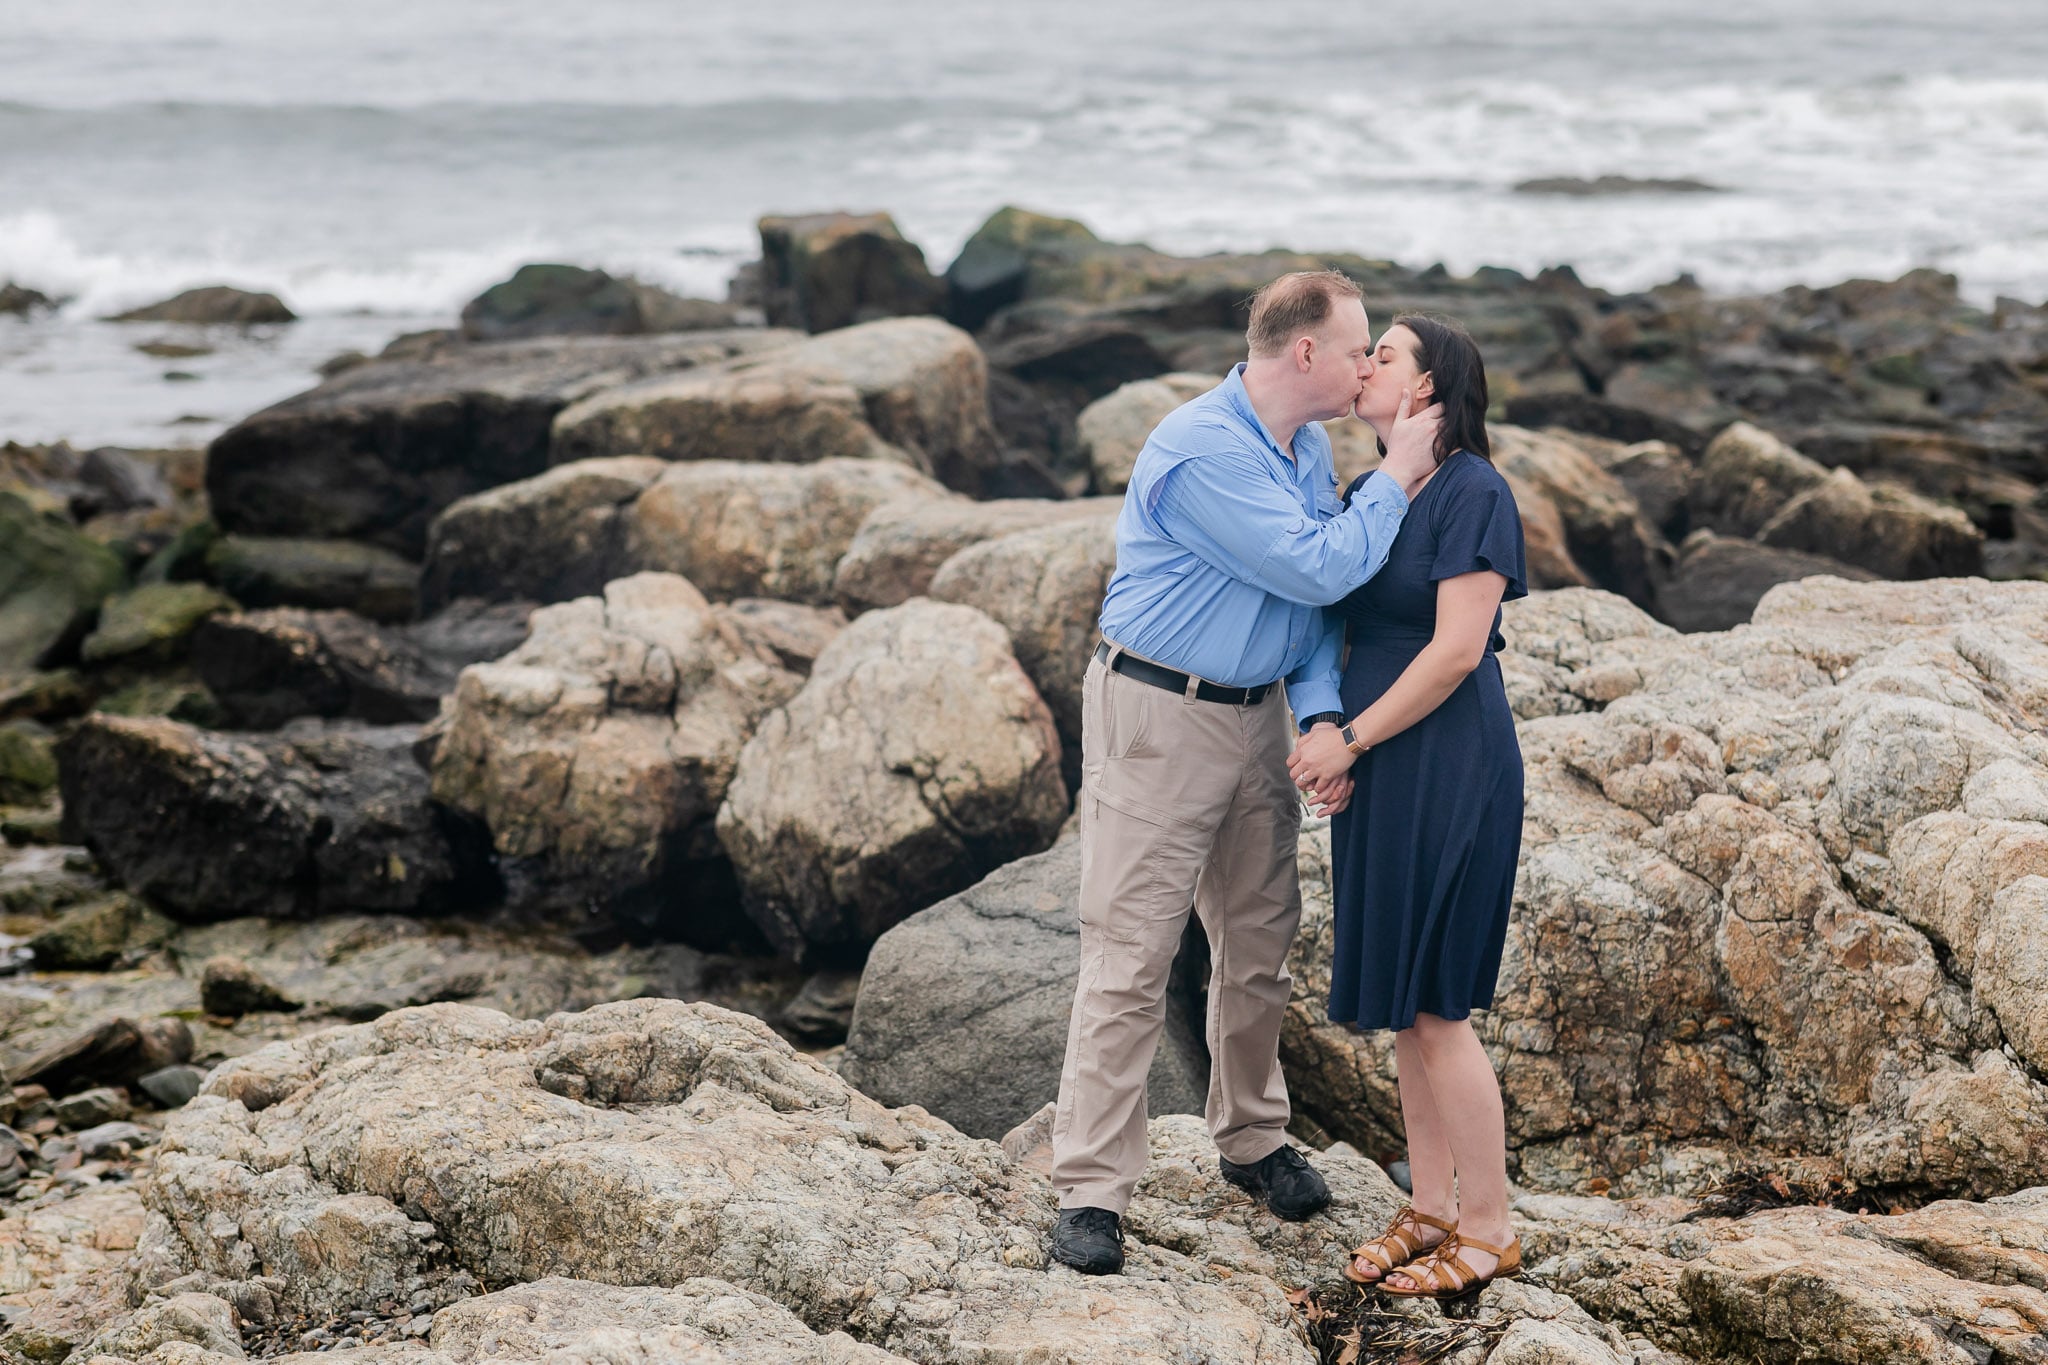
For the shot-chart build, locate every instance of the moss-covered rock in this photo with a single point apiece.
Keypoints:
(52, 580)
(266, 571)
(27, 766)
(96, 935)
(151, 623)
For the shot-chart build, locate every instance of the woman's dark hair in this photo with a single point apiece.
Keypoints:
(1445, 351)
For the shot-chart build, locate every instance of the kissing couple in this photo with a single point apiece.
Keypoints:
(1244, 573)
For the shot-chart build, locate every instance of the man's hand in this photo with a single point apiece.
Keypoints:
(1411, 443)
(1321, 766)
(1327, 801)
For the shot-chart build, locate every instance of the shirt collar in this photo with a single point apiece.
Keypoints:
(1240, 402)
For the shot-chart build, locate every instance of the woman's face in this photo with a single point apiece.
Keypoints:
(1393, 370)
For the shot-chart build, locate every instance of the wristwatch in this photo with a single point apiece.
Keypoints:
(1309, 723)
(1352, 741)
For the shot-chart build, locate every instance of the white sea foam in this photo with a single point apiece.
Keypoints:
(393, 158)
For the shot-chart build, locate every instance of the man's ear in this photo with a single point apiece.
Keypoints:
(1304, 351)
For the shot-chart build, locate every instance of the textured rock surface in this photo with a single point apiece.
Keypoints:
(745, 530)
(358, 1164)
(963, 1008)
(549, 538)
(917, 759)
(352, 575)
(568, 300)
(596, 753)
(52, 580)
(1951, 1282)
(1749, 861)
(377, 451)
(1045, 587)
(899, 547)
(1112, 429)
(1605, 531)
(212, 825)
(907, 390)
(150, 624)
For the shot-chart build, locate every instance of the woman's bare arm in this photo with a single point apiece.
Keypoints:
(1464, 621)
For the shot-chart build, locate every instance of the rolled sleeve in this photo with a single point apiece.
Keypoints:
(1227, 510)
(1314, 686)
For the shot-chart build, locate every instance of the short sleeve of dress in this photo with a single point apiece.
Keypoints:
(1478, 527)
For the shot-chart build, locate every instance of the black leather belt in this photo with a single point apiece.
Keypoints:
(1145, 671)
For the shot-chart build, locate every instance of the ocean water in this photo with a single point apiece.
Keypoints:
(376, 164)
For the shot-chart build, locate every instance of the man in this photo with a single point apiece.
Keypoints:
(1230, 539)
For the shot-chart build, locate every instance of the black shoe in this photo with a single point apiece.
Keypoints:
(1285, 1180)
(1089, 1240)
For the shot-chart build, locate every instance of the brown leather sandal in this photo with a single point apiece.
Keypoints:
(1443, 1274)
(1403, 1236)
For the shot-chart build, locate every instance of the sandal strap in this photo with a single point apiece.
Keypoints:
(1448, 1272)
(1398, 1237)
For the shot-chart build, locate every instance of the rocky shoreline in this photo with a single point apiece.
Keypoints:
(488, 843)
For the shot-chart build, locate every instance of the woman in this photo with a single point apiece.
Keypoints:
(1424, 856)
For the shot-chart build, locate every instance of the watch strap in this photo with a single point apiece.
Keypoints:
(1309, 723)
(1351, 741)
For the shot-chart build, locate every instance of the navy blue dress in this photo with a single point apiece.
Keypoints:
(1424, 858)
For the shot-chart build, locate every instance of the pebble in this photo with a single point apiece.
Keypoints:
(90, 1108)
(173, 1086)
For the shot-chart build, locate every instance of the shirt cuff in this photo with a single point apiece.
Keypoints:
(1381, 487)
(1307, 698)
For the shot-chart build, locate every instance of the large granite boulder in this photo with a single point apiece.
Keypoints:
(1045, 587)
(52, 581)
(264, 668)
(1890, 531)
(569, 300)
(917, 759)
(597, 753)
(1746, 477)
(911, 391)
(315, 819)
(1605, 530)
(1775, 898)
(375, 452)
(1949, 1282)
(822, 271)
(902, 545)
(742, 530)
(964, 1007)
(1720, 579)
(549, 538)
(1113, 428)
(388, 1161)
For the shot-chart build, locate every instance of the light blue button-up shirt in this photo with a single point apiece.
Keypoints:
(1226, 550)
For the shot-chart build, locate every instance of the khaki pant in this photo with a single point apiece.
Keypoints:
(1183, 803)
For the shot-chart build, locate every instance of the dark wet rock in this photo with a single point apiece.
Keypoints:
(992, 268)
(172, 1086)
(229, 986)
(123, 480)
(376, 452)
(114, 1052)
(213, 304)
(268, 667)
(568, 300)
(828, 270)
(317, 818)
(21, 300)
(98, 934)
(1720, 579)
(1599, 417)
(52, 581)
(1579, 187)
(964, 1007)
(823, 1007)
(266, 571)
(1083, 357)
(51, 696)
(151, 624)
(90, 1108)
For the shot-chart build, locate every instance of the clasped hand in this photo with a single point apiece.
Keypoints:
(1320, 768)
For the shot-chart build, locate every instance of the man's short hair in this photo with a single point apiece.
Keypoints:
(1294, 304)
